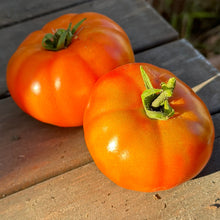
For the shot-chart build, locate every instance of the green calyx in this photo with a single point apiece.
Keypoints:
(155, 101)
(61, 39)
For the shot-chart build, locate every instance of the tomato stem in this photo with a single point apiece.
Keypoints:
(61, 39)
(155, 101)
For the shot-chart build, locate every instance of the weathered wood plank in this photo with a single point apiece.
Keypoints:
(85, 193)
(142, 24)
(15, 11)
(189, 65)
(31, 151)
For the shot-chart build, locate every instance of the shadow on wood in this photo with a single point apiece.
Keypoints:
(214, 162)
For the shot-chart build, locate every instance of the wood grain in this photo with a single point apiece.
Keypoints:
(15, 11)
(85, 193)
(31, 151)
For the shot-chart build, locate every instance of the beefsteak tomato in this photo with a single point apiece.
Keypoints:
(50, 77)
(147, 139)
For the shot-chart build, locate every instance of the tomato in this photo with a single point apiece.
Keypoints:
(53, 84)
(140, 152)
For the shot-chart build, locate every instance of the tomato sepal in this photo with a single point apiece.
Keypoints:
(61, 39)
(155, 101)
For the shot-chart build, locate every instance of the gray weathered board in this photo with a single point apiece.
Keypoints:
(143, 25)
(16, 11)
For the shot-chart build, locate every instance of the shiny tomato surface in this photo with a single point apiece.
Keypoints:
(140, 153)
(54, 86)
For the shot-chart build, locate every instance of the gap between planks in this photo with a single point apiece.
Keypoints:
(44, 13)
(205, 83)
(47, 178)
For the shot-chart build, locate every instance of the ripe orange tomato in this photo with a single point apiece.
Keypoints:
(53, 85)
(138, 152)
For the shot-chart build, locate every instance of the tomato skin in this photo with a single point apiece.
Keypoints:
(54, 87)
(139, 153)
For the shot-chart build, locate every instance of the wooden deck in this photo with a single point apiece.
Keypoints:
(46, 172)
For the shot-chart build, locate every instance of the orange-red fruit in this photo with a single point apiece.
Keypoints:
(54, 86)
(145, 154)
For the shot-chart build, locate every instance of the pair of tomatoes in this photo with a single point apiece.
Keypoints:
(145, 129)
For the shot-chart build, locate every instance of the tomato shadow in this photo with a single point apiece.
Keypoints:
(214, 163)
